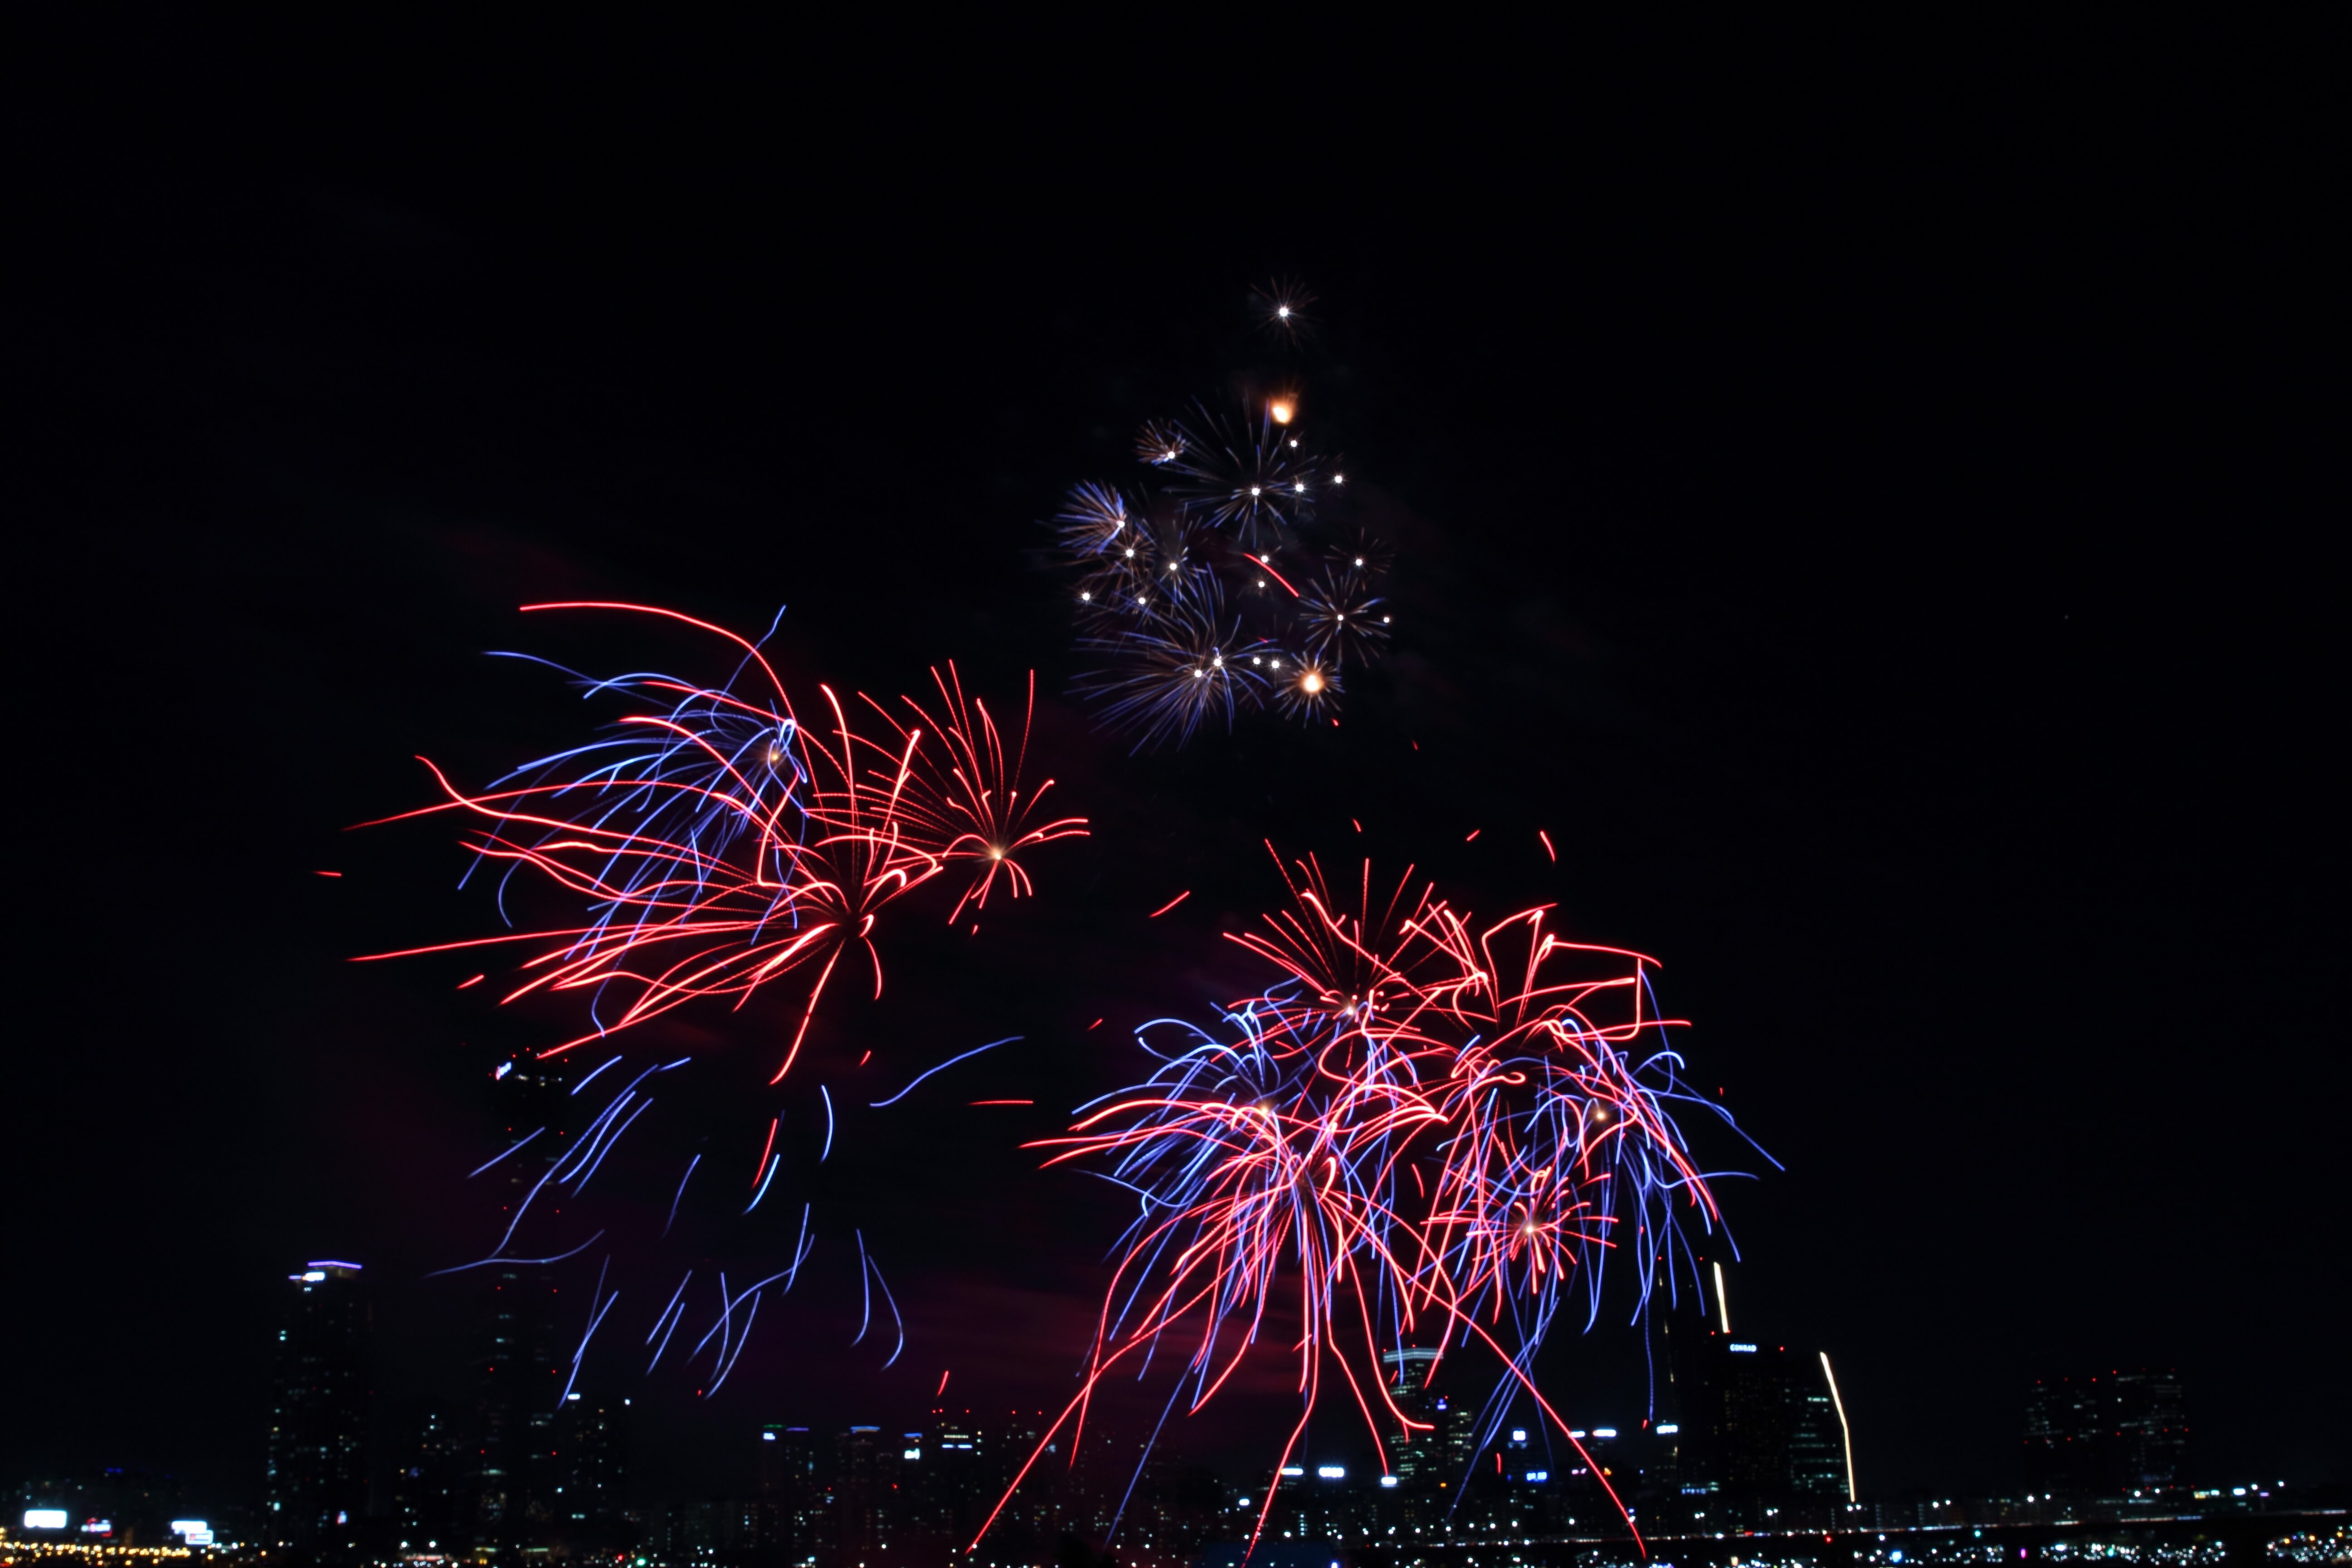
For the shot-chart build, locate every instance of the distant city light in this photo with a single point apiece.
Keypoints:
(911, 1454)
(1604, 1431)
(1332, 1473)
(194, 1532)
(1518, 1433)
(97, 1527)
(1388, 1481)
(1242, 1502)
(1668, 1430)
(1579, 1434)
(767, 1437)
(332, 1263)
(1539, 1475)
(44, 1518)
(1743, 1350)
(1294, 1469)
(314, 1276)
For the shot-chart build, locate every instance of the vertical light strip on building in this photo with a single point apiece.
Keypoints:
(1844, 1431)
(1722, 1301)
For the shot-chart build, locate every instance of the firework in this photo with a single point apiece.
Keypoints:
(708, 845)
(717, 844)
(1430, 1131)
(1226, 557)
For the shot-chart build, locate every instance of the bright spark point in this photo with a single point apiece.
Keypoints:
(1084, 596)
(1254, 490)
(1282, 410)
(1282, 311)
(1311, 681)
(1338, 479)
(1199, 674)
(994, 853)
(1360, 561)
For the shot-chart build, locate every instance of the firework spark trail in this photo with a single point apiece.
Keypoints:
(1430, 1129)
(715, 841)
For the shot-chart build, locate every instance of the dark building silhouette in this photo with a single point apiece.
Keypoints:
(1734, 1396)
(316, 1491)
(513, 1473)
(431, 1485)
(1753, 1421)
(793, 1495)
(868, 1502)
(2106, 1436)
(591, 1464)
(1816, 1438)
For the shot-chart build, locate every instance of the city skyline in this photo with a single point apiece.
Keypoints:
(1851, 581)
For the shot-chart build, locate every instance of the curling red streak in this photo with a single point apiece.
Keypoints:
(1164, 909)
(942, 1387)
(1277, 576)
(1093, 1027)
(1473, 834)
(1004, 1103)
(766, 1150)
(326, 873)
(476, 979)
(1546, 844)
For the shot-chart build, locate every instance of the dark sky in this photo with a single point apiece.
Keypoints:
(1870, 520)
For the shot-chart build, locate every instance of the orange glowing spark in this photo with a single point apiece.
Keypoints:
(1282, 410)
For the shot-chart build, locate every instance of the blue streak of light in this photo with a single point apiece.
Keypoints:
(674, 1202)
(584, 1082)
(773, 1161)
(511, 1149)
(865, 1297)
(943, 1066)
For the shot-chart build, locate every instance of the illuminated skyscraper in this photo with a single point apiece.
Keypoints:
(1419, 1456)
(316, 1490)
(1816, 1443)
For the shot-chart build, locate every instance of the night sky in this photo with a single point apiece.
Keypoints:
(1875, 530)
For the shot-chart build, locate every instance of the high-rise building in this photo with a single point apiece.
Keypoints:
(1816, 1438)
(513, 1479)
(431, 1466)
(794, 1494)
(1419, 1456)
(866, 1493)
(2105, 1435)
(592, 1453)
(1734, 1396)
(317, 1481)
